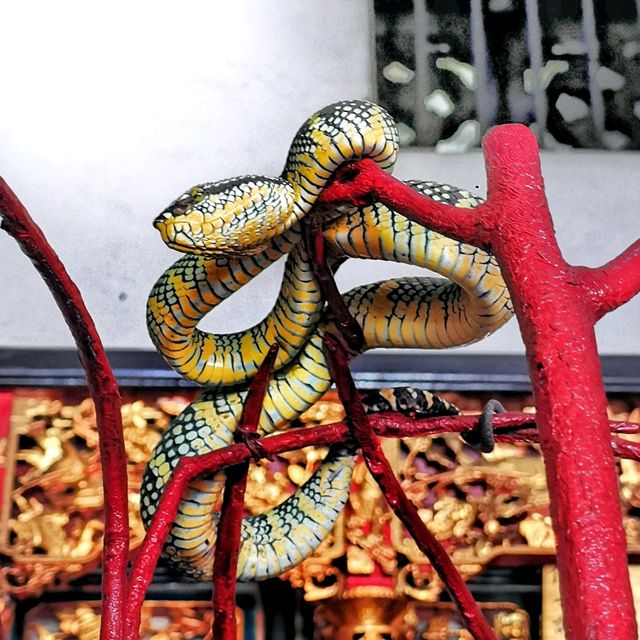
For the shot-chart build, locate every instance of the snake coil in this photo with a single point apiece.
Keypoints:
(232, 230)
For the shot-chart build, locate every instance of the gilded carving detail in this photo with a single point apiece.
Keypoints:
(380, 618)
(167, 620)
(480, 506)
(51, 526)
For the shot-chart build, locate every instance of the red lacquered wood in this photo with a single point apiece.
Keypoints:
(104, 391)
(395, 496)
(230, 523)
(556, 305)
(6, 401)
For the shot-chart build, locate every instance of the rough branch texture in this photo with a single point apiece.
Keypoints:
(556, 311)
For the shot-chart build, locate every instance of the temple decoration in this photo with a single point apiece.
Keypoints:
(162, 620)
(372, 618)
(482, 507)
(51, 527)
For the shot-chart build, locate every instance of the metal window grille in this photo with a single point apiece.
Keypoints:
(570, 69)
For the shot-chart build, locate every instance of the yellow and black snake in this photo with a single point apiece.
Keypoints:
(232, 230)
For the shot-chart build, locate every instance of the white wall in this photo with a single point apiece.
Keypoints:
(109, 111)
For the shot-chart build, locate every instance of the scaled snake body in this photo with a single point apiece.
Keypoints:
(231, 231)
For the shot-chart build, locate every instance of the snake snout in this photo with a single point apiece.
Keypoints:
(161, 219)
(169, 214)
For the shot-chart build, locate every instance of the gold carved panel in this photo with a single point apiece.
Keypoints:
(51, 520)
(166, 620)
(483, 508)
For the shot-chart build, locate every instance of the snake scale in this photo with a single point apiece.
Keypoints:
(232, 230)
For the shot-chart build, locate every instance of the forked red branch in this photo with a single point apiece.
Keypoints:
(556, 305)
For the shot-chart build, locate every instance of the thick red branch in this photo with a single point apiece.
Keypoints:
(228, 539)
(398, 500)
(557, 328)
(104, 391)
(611, 285)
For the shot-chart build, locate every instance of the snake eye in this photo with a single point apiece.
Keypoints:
(197, 194)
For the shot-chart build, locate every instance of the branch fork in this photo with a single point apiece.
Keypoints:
(556, 312)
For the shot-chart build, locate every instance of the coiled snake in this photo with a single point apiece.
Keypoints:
(232, 230)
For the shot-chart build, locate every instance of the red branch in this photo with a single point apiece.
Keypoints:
(228, 539)
(362, 182)
(103, 389)
(557, 328)
(626, 449)
(316, 245)
(386, 425)
(398, 500)
(614, 283)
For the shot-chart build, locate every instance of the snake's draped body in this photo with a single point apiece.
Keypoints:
(231, 231)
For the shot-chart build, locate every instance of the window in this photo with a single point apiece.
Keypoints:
(570, 69)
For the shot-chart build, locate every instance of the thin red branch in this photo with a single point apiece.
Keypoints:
(229, 527)
(397, 499)
(363, 181)
(103, 389)
(626, 449)
(611, 285)
(349, 329)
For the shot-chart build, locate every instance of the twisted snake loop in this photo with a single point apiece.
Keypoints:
(408, 312)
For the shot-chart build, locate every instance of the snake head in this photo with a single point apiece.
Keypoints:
(231, 217)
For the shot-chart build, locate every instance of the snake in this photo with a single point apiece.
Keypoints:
(229, 231)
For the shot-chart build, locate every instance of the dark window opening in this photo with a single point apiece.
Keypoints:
(570, 69)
